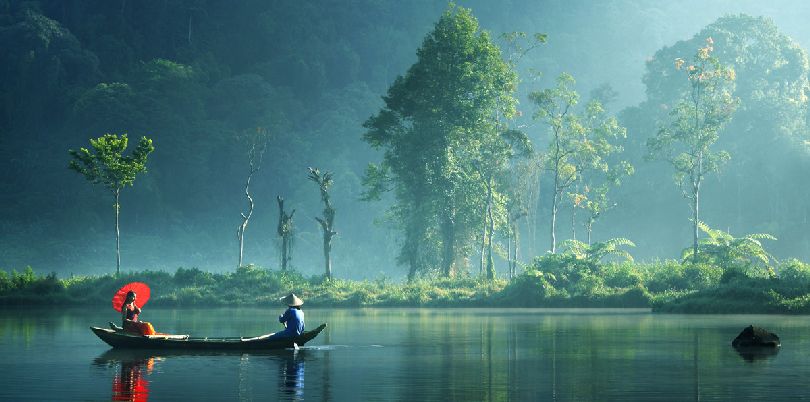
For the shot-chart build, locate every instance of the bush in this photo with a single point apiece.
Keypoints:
(701, 276)
(621, 275)
(5, 282)
(193, 277)
(795, 273)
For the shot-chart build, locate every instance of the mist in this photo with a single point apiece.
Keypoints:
(196, 76)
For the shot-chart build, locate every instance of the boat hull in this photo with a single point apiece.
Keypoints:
(118, 339)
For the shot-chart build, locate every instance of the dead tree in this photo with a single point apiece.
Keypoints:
(285, 232)
(255, 155)
(324, 181)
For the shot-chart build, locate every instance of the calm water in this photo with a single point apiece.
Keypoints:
(411, 354)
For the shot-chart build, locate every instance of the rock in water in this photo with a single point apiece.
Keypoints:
(753, 336)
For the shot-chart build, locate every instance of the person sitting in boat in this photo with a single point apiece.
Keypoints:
(293, 318)
(129, 317)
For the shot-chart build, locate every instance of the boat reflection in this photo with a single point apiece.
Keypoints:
(131, 384)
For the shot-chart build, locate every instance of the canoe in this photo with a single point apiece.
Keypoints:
(118, 339)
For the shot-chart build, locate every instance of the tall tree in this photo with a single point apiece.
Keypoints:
(436, 122)
(327, 222)
(285, 232)
(694, 127)
(597, 163)
(106, 165)
(555, 107)
(258, 145)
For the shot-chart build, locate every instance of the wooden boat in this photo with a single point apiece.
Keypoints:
(119, 339)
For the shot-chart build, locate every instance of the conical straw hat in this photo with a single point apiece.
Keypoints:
(292, 300)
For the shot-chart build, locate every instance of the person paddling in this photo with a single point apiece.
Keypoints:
(293, 318)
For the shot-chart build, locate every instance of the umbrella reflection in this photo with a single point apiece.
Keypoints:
(129, 383)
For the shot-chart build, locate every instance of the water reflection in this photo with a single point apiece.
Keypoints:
(129, 383)
(291, 376)
(753, 354)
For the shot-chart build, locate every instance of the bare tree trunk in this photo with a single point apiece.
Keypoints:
(328, 233)
(327, 223)
(695, 218)
(509, 251)
(448, 243)
(240, 231)
(254, 160)
(117, 233)
(413, 257)
(554, 224)
(285, 230)
(516, 234)
(483, 246)
(490, 262)
(284, 248)
(574, 221)
(190, 19)
(327, 250)
(557, 192)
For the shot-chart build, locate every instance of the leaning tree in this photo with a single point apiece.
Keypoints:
(258, 145)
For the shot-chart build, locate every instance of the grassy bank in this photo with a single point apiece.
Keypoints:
(551, 281)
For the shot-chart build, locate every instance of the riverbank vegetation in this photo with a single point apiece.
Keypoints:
(555, 280)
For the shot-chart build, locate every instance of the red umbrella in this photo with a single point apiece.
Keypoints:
(141, 290)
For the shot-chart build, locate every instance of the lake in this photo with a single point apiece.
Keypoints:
(410, 354)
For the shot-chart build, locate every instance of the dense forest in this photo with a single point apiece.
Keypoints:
(421, 183)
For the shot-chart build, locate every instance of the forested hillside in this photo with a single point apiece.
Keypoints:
(199, 77)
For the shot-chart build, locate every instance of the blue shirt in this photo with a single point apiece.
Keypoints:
(294, 318)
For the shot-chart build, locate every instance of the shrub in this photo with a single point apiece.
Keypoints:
(193, 277)
(701, 276)
(621, 275)
(795, 273)
(5, 282)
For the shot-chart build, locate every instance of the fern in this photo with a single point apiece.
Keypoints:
(722, 249)
(598, 251)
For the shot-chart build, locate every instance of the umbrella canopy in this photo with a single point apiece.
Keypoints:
(141, 290)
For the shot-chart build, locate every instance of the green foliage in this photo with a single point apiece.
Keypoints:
(106, 164)
(581, 144)
(795, 272)
(445, 140)
(726, 251)
(559, 280)
(695, 123)
(596, 252)
(193, 277)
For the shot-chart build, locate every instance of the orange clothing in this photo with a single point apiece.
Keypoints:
(139, 327)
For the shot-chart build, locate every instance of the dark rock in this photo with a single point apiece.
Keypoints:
(753, 336)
